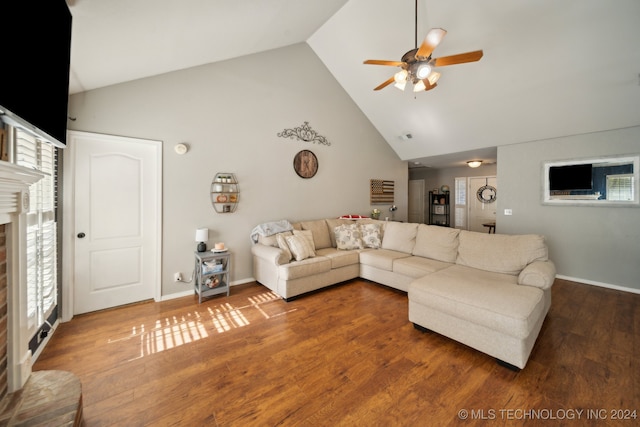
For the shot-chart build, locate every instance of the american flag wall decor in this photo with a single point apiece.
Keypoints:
(382, 192)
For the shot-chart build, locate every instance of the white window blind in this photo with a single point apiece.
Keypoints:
(41, 228)
(460, 195)
(620, 187)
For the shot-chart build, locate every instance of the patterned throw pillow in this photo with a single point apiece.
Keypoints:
(371, 235)
(348, 237)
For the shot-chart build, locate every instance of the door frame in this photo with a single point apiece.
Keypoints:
(68, 220)
(421, 184)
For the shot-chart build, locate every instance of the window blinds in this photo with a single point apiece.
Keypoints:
(620, 187)
(460, 195)
(41, 240)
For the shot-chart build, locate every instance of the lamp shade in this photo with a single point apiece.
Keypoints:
(474, 163)
(202, 234)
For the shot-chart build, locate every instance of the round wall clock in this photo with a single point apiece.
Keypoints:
(487, 194)
(305, 163)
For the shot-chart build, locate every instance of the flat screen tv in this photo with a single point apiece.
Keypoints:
(571, 177)
(34, 72)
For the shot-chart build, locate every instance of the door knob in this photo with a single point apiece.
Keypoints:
(81, 235)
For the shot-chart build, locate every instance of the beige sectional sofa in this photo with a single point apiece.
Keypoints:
(488, 291)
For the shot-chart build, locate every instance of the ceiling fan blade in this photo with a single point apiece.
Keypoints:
(460, 58)
(385, 84)
(424, 85)
(433, 39)
(383, 62)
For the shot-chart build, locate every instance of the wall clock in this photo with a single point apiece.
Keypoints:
(487, 193)
(305, 163)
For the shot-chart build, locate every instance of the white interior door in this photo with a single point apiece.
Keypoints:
(117, 220)
(481, 209)
(416, 201)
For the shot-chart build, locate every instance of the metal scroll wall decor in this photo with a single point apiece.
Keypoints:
(304, 133)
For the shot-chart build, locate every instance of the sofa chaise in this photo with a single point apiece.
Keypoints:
(489, 291)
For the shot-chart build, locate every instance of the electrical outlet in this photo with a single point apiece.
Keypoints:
(508, 212)
(177, 277)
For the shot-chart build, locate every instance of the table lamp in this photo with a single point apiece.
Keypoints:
(202, 235)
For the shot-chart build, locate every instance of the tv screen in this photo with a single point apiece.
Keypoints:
(572, 177)
(34, 74)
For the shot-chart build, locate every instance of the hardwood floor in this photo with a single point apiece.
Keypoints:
(345, 356)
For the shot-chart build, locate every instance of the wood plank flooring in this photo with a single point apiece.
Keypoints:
(345, 356)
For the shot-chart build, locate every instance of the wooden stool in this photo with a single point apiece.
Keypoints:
(47, 398)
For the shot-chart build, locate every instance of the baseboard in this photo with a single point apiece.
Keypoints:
(190, 291)
(600, 284)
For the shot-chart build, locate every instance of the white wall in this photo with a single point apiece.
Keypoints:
(229, 114)
(599, 245)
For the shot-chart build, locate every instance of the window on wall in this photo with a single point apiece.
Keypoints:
(460, 195)
(41, 241)
(620, 187)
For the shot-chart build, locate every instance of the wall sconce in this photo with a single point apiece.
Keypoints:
(474, 163)
(202, 235)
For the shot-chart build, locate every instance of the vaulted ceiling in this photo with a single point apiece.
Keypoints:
(550, 68)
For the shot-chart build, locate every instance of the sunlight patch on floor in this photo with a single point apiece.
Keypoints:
(178, 330)
(171, 332)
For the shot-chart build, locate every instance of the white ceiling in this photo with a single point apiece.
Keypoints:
(550, 68)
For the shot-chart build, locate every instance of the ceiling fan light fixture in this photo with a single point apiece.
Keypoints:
(400, 76)
(417, 64)
(423, 71)
(474, 163)
(401, 85)
(433, 77)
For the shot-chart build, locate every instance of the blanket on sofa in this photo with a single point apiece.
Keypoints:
(270, 228)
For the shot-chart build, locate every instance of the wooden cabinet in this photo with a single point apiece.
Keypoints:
(225, 192)
(439, 209)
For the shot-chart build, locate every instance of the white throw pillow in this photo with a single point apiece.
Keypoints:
(308, 237)
(298, 246)
(348, 237)
(282, 244)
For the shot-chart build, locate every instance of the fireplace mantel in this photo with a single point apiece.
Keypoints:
(14, 204)
(14, 188)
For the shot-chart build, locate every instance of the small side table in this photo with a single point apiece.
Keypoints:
(212, 273)
(491, 226)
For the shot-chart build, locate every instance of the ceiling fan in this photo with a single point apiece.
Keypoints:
(417, 64)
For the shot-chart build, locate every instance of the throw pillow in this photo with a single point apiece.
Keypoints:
(371, 235)
(298, 246)
(308, 237)
(400, 236)
(348, 237)
(282, 244)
